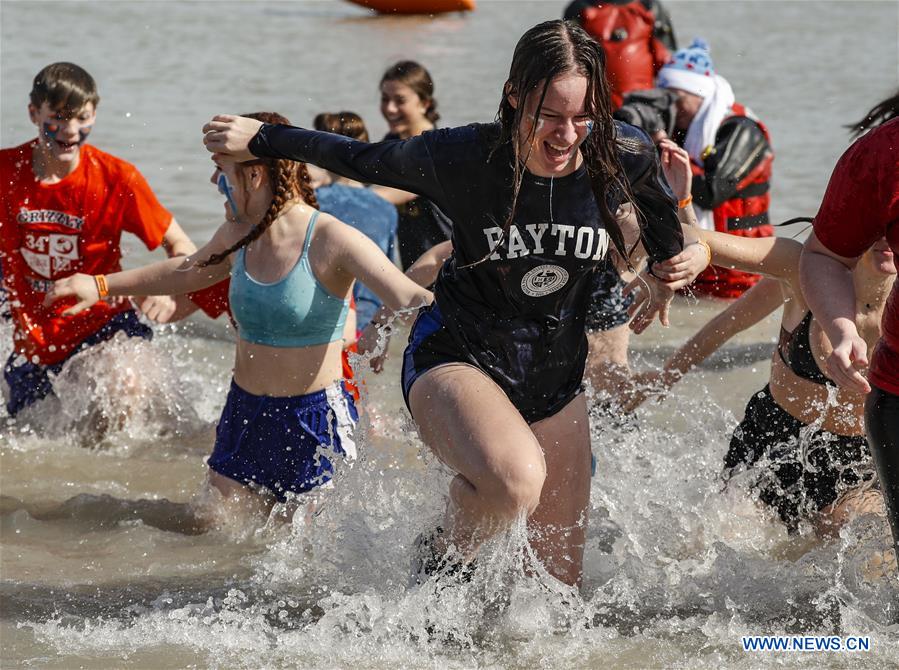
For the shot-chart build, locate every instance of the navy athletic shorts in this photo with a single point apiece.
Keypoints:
(287, 443)
(418, 358)
(431, 345)
(29, 382)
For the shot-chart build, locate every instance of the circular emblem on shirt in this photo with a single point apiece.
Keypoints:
(543, 280)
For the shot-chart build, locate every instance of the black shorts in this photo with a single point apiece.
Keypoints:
(798, 478)
(608, 306)
(431, 345)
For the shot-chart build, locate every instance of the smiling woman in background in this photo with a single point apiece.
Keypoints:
(409, 107)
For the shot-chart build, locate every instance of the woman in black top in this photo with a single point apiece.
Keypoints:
(493, 370)
(409, 107)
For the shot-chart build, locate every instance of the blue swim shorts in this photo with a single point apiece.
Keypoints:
(29, 382)
(284, 443)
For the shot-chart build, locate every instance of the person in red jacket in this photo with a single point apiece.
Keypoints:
(65, 204)
(636, 37)
(731, 153)
(860, 207)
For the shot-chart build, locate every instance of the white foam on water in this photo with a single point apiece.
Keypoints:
(676, 570)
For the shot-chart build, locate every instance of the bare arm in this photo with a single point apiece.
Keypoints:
(183, 308)
(173, 276)
(662, 283)
(827, 284)
(753, 306)
(656, 287)
(363, 260)
(776, 257)
(743, 313)
(394, 195)
(425, 269)
(176, 242)
(163, 308)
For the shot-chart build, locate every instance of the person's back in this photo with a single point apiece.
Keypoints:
(371, 215)
(357, 206)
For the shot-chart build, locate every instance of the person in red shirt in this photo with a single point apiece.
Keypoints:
(861, 206)
(64, 207)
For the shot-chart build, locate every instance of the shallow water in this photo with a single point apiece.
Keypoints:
(676, 569)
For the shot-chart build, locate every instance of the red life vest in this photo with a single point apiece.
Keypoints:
(633, 55)
(745, 215)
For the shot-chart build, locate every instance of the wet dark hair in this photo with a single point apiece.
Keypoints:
(416, 77)
(883, 111)
(349, 124)
(64, 86)
(547, 51)
(289, 180)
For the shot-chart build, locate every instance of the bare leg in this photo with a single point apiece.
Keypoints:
(470, 425)
(852, 504)
(557, 527)
(232, 504)
(235, 503)
(607, 365)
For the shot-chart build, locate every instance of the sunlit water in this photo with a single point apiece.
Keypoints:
(676, 568)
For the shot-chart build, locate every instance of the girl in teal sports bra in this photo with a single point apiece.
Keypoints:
(288, 418)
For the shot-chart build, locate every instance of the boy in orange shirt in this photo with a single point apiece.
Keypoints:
(64, 207)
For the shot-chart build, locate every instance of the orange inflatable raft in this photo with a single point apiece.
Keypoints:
(416, 6)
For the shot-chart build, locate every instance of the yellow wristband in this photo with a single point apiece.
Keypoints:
(102, 287)
(686, 201)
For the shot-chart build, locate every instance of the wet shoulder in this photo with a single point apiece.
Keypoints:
(15, 159)
(113, 168)
(883, 141)
(471, 141)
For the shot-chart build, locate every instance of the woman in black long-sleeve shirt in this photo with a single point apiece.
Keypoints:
(493, 370)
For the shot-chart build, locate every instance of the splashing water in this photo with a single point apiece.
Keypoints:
(676, 570)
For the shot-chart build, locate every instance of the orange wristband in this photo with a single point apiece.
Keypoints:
(686, 201)
(102, 288)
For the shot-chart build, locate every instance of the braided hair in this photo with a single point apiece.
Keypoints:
(290, 181)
